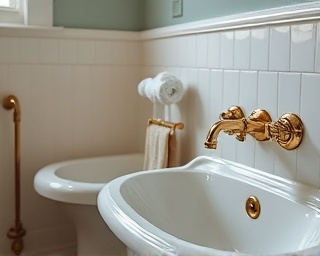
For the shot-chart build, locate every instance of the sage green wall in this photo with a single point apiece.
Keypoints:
(159, 12)
(100, 14)
(137, 15)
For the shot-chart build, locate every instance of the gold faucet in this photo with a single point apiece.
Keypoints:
(287, 131)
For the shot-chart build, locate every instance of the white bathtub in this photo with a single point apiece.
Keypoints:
(77, 183)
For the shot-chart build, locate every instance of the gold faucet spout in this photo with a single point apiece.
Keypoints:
(233, 126)
(287, 131)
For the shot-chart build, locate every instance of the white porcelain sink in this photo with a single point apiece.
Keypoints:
(199, 209)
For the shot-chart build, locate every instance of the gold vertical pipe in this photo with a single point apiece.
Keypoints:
(16, 232)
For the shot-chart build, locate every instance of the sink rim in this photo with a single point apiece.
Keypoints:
(274, 184)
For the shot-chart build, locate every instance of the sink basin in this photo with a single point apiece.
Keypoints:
(200, 209)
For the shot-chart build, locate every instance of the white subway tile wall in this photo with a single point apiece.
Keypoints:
(242, 49)
(303, 40)
(274, 68)
(213, 50)
(279, 45)
(202, 51)
(308, 162)
(259, 49)
(226, 49)
(78, 98)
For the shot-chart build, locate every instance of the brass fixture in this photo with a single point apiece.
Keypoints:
(253, 208)
(16, 232)
(11, 102)
(170, 125)
(287, 131)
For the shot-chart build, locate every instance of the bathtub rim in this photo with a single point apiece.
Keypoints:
(51, 186)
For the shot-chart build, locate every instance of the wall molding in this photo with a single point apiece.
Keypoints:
(275, 16)
(307, 12)
(67, 33)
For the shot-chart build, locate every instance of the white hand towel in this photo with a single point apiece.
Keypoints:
(160, 148)
(156, 148)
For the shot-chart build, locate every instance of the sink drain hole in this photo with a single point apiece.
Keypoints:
(253, 207)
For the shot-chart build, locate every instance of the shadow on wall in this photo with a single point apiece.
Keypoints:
(192, 114)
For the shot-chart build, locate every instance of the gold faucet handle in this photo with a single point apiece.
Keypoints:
(234, 112)
(287, 131)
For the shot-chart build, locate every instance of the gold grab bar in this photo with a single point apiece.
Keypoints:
(170, 125)
(16, 232)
